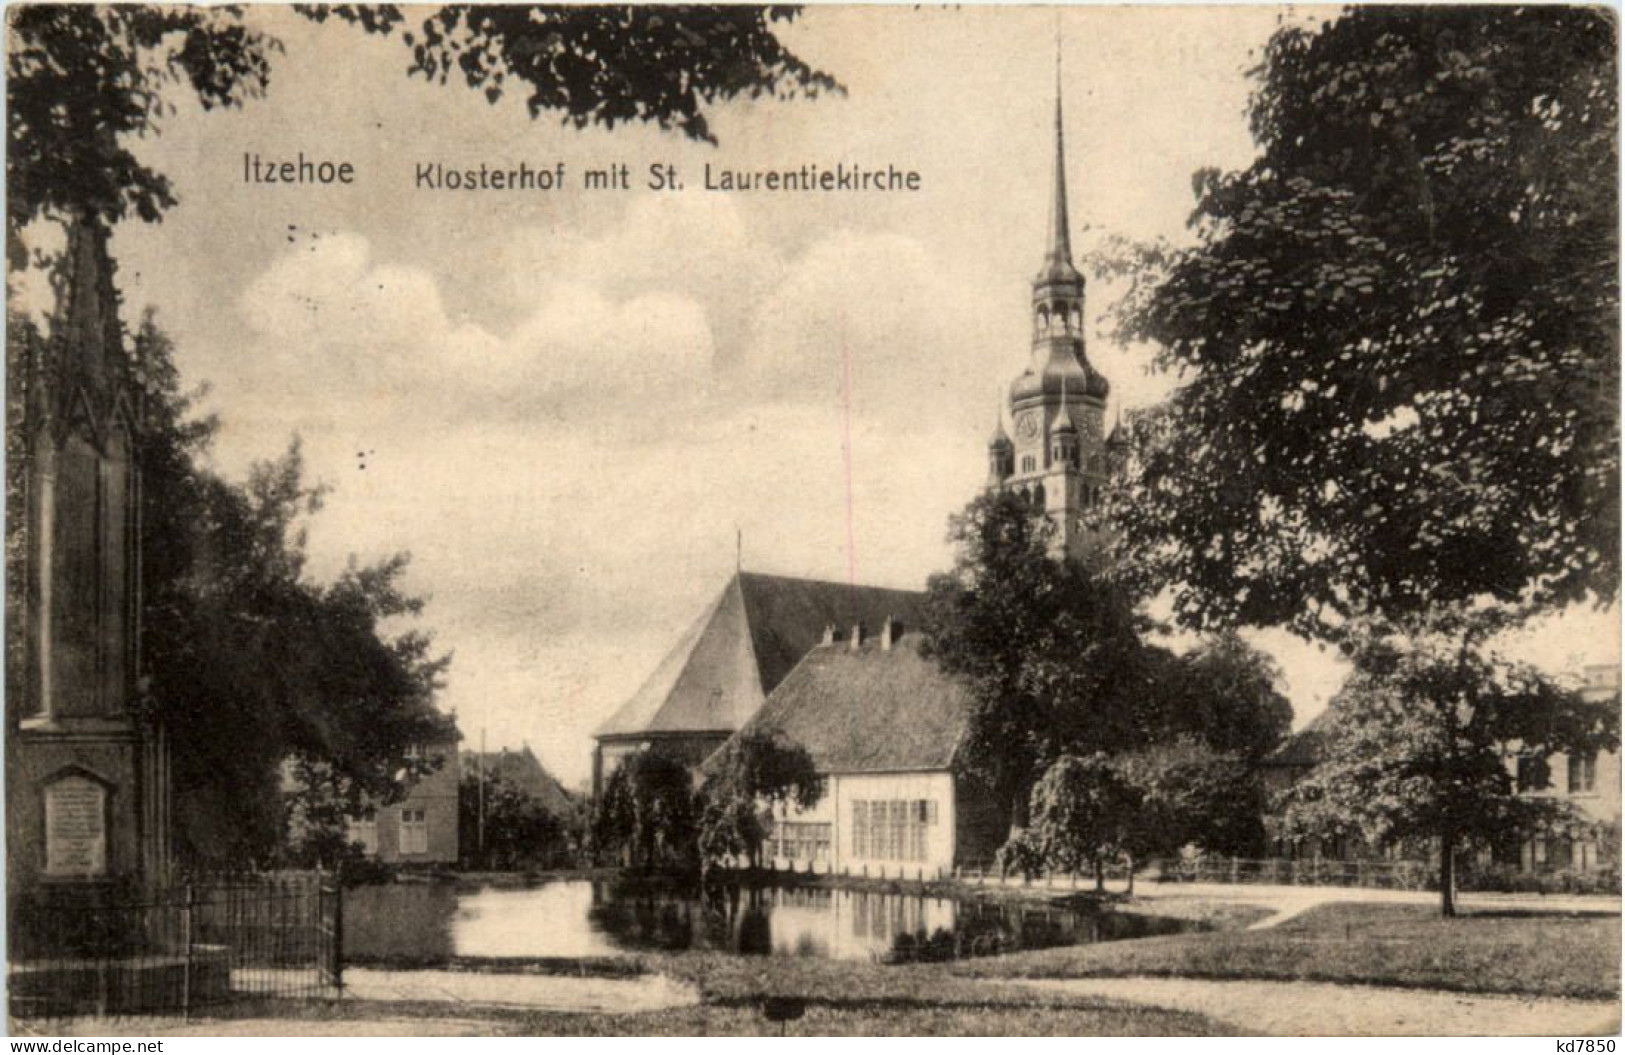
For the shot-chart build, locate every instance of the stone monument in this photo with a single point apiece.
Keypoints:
(87, 788)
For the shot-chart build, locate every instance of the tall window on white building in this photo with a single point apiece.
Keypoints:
(1582, 774)
(893, 830)
(414, 832)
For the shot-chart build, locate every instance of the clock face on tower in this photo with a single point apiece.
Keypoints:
(1027, 425)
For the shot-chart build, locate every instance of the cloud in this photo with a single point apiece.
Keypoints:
(343, 334)
(697, 247)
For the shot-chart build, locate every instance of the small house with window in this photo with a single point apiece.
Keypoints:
(883, 724)
(421, 829)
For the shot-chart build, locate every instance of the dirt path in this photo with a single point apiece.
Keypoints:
(1286, 902)
(541, 992)
(269, 1027)
(1317, 1009)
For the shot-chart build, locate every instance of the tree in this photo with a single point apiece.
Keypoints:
(647, 811)
(1187, 792)
(1051, 651)
(1081, 811)
(754, 772)
(1419, 742)
(602, 64)
(515, 831)
(82, 79)
(1224, 693)
(1396, 336)
(253, 666)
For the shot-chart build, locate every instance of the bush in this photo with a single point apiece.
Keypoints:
(1506, 878)
(1019, 855)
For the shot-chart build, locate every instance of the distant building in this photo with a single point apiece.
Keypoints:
(1591, 783)
(721, 670)
(884, 726)
(421, 828)
(521, 769)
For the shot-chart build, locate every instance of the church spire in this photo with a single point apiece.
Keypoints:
(1058, 265)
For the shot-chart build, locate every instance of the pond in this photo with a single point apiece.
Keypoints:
(429, 923)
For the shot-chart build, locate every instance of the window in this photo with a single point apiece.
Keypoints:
(801, 841)
(1028, 463)
(365, 832)
(894, 830)
(414, 832)
(1531, 773)
(1582, 774)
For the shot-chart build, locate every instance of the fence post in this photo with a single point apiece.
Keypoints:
(337, 954)
(1235, 871)
(186, 941)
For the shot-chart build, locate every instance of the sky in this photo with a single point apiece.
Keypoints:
(572, 406)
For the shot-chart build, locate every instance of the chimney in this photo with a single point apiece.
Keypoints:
(831, 635)
(890, 631)
(857, 636)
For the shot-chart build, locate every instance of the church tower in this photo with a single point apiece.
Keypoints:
(1058, 459)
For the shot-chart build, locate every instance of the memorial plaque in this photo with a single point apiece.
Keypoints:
(75, 828)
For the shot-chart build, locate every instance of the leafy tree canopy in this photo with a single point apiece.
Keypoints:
(648, 811)
(82, 79)
(603, 64)
(1082, 812)
(1419, 741)
(1397, 335)
(251, 663)
(513, 829)
(1187, 792)
(1051, 651)
(752, 773)
(1224, 693)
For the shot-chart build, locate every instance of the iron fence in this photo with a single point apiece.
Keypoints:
(1314, 871)
(95, 950)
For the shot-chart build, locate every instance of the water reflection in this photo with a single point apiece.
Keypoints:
(580, 918)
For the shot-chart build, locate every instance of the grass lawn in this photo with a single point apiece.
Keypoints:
(982, 1018)
(1544, 954)
(840, 998)
(845, 998)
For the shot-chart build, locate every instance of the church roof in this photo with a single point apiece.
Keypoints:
(870, 709)
(1305, 748)
(719, 672)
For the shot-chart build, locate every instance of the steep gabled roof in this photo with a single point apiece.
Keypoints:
(1304, 748)
(759, 627)
(523, 770)
(787, 616)
(870, 709)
